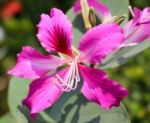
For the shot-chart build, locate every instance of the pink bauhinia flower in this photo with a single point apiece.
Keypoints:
(138, 28)
(101, 8)
(55, 35)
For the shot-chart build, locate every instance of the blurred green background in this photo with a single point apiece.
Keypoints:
(19, 28)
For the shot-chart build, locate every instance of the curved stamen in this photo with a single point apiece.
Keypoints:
(71, 80)
(127, 45)
(131, 10)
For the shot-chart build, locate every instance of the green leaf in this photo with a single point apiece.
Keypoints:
(123, 55)
(55, 110)
(16, 92)
(79, 110)
(78, 26)
(7, 118)
(117, 7)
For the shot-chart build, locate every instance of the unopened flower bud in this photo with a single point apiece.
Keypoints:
(92, 18)
(85, 13)
(120, 19)
(115, 19)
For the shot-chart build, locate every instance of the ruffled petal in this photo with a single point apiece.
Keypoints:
(43, 93)
(145, 17)
(141, 17)
(137, 30)
(102, 9)
(55, 32)
(32, 64)
(100, 41)
(97, 87)
(136, 34)
(137, 14)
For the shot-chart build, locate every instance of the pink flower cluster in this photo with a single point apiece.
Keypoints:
(55, 74)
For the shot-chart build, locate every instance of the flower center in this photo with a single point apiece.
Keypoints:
(71, 80)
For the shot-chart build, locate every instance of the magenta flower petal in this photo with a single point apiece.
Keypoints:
(77, 6)
(137, 30)
(136, 34)
(102, 9)
(141, 17)
(145, 17)
(43, 93)
(33, 64)
(97, 87)
(137, 14)
(55, 32)
(99, 41)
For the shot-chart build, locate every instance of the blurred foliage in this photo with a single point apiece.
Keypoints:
(20, 30)
(140, 3)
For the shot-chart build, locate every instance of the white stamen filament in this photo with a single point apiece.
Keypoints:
(131, 10)
(127, 45)
(71, 80)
